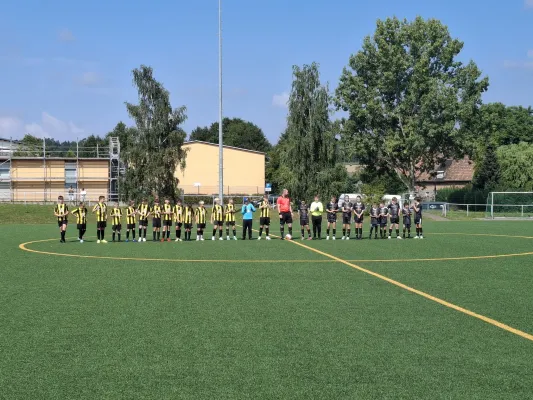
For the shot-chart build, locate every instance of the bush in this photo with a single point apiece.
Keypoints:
(466, 195)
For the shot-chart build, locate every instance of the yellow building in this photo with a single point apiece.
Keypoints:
(244, 170)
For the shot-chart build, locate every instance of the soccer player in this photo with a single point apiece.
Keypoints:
(200, 216)
(285, 213)
(188, 212)
(303, 212)
(131, 213)
(229, 213)
(417, 208)
(332, 208)
(144, 213)
(167, 220)
(81, 220)
(61, 212)
(217, 219)
(394, 211)
(178, 218)
(383, 218)
(264, 219)
(116, 213)
(101, 219)
(347, 207)
(406, 213)
(317, 208)
(247, 211)
(358, 211)
(374, 220)
(155, 211)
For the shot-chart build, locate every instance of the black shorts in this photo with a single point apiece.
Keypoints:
(81, 226)
(218, 223)
(264, 221)
(130, 226)
(374, 222)
(143, 222)
(346, 219)
(101, 224)
(304, 221)
(332, 218)
(285, 218)
(179, 224)
(187, 226)
(167, 222)
(117, 227)
(407, 225)
(395, 220)
(383, 222)
(418, 221)
(62, 222)
(156, 223)
(200, 226)
(228, 223)
(358, 220)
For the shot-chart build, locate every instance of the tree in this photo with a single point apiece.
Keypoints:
(411, 103)
(30, 146)
(125, 135)
(235, 132)
(516, 163)
(309, 151)
(93, 147)
(487, 174)
(156, 149)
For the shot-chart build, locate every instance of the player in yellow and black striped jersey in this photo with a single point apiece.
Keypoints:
(156, 219)
(144, 212)
(167, 220)
(81, 220)
(229, 217)
(200, 215)
(217, 219)
(178, 218)
(188, 213)
(101, 219)
(264, 217)
(116, 214)
(61, 212)
(131, 213)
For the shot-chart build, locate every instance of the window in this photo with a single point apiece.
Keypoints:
(71, 175)
(440, 175)
(4, 172)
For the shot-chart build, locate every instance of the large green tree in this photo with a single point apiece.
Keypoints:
(500, 125)
(155, 150)
(309, 149)
(411, 102)
(235, 132)
(487, 174)
(516, 163)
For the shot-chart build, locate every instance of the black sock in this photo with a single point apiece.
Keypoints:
(119, 236)
(397, 232)
(348, 231)
(158, 235)
(420, 231)
(303, 232)
(178, 234)
(390, 231)
(102, 234)
(63, 235)
(214, 232)
(308, 232)
(113, 236)
(290, 230)
(334, 232)
(282, 231)
(153, 235)
(144, 233)
(327, 231)
(409, 232)
(267, 230)
(343, 232)
(80, 234)
(98, 234)
(260, 231)
(227, 231)
(234, 232)
(140, 232)
(319, 229)
(127, 235)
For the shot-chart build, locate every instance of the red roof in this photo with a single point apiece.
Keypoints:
(454, 171)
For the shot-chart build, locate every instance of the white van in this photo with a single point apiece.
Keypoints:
(388, 198)
(351, 196)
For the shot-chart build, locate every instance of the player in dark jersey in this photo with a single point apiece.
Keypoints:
(394, 211)
(116, 227)
(332, 208)
(406, 214)
(346, 218)
(200, 215)
(61, 212)
(375, 220)
(229, 214)
(167, 220)
(81, 220)
(217, 219)
(417, 208)
(178, 219)
(131, 218)
(156, 220)
(358, 212)
(188, 215)
(383, 218)
(264, 218)
(144, 213)
(303, 212)
(101, 219)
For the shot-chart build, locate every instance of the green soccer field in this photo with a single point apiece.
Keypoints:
(255, 319)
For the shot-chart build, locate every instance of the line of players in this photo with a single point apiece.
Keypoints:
(163, 216)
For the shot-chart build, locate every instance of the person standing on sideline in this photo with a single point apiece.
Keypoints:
(71, 195)
(247, 218)
(317, 208)
(83, 194)
(285, 213)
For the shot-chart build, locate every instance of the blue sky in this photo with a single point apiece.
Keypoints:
(65, 66)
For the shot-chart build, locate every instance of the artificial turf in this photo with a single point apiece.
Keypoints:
(289, 323)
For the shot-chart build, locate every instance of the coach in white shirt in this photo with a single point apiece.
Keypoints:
(83, 193)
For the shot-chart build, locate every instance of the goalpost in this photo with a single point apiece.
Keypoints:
(509, 205)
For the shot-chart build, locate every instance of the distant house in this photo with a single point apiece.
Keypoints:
(449, 174)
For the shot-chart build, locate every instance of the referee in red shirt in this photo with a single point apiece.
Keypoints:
(285, 213)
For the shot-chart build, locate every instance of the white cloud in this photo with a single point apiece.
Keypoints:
(66, 36)
(280, 100)
(518, 64)
(530, 54)
(49, 126)
(90, 79)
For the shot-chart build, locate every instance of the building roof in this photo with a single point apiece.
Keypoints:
(226, 147)
(453, 171)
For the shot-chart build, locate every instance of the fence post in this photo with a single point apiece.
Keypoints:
(467, 209)
(522, 213)
(492, 205)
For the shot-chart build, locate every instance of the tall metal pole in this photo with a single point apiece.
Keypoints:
(220, 142)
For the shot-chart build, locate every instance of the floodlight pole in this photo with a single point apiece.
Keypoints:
(220, 138)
